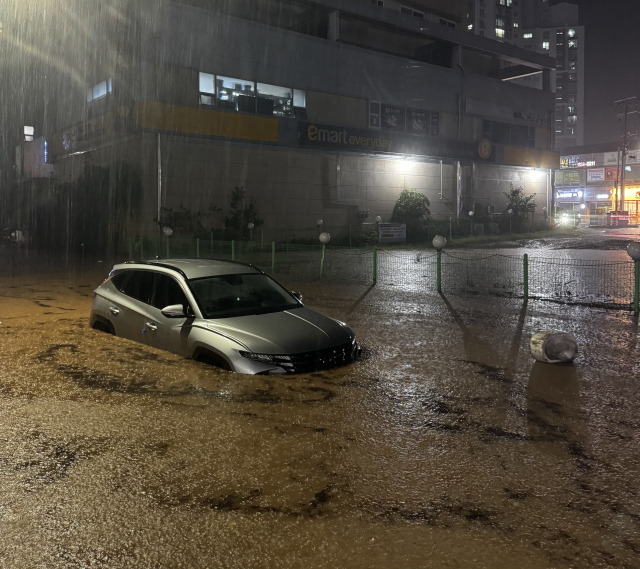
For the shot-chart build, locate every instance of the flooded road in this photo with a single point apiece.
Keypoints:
(445, 446)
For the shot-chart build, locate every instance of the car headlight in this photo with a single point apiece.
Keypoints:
(266, 358)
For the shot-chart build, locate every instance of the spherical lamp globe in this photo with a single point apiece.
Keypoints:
(439, 242)
(325, 238)
(633, 250)
(168, 232)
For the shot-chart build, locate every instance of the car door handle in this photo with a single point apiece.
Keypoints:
(152, 326)
(115, 311)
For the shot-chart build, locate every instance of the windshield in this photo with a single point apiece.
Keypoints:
(225, 296)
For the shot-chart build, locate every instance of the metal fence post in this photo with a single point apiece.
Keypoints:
(439, 272)
(168, 255)
(130, 250)
(375, 265)
(450, 229)
(233, 250)
(197, 247)
(212, 243)
(273, 256)
(636, 296)
(525, 263)
(322, 261)
(141, 248)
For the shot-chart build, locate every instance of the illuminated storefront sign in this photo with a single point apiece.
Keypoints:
(568, 194)
(567, 176)
(576, 162)
(596, 175)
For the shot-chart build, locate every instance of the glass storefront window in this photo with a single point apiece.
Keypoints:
(299, 98)
(235, 94)
(207, 89)
(273, 100)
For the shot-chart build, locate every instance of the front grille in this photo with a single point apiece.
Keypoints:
(321, 359)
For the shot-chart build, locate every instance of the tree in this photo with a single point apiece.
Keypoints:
(521, 206)
(411, 206)
(190, 224)
(241, 214)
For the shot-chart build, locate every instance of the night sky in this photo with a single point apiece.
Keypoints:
(612, 63)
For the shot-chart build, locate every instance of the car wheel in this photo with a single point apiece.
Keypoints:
(106, 327)
(212, 359)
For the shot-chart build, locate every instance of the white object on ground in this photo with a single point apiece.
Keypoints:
(553, 347)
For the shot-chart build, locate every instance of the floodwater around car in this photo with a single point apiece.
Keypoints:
(444, 446)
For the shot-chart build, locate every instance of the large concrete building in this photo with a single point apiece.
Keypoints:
(555, 31)
(319, 109)
(550, 30)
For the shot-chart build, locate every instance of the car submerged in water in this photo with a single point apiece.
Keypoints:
(227, 314)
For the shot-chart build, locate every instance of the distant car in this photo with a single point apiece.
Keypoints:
(227, 314)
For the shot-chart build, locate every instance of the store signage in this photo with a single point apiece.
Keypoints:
(565, 194)
(576, 161)
(418, 121)
(313, 135)
(611, 158)
(567, 176)
(611, 174)
(392, 232)
(596, 175)
(392, 117)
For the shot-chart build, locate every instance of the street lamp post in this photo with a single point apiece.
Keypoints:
(439, 243)
(633, 250)
(324, 239)
(471, 214)
(510, 212)
(250, 227)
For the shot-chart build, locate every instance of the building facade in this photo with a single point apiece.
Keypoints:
(551, 30)
(318, 110)
(555, 31)
(590, 181)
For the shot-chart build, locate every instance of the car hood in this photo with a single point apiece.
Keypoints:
(290, 332)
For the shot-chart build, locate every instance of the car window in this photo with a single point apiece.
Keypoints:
(168, 292)
(226, 296)
(136, 284)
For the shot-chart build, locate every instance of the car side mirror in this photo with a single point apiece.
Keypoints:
(174, 311)
(297, 296)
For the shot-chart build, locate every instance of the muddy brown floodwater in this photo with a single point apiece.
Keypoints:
(445, 446)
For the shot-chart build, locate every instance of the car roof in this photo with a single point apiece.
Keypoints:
(192, 268)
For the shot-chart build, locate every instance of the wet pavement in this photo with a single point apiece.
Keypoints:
(445, 446)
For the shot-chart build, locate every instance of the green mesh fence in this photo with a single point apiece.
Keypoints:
(569, 281)
(408, 270)
(574, 281)
(481, 273)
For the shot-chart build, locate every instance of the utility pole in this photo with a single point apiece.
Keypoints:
(625, 135)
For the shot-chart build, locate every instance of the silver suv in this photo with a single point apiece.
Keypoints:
(227, 314)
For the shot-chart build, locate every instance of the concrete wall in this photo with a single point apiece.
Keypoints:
(189, 37)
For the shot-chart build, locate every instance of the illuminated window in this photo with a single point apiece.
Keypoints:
(207, 89)
(545, 45)
(571, 33)
(273, 100)
(573, 44)
(28, 133)
(470, 27)
(572, 119)
(499, 33)
(99, 91)
(500, 22)
(235, 94)
(515, 24)
(527, 36)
